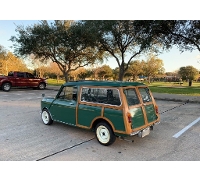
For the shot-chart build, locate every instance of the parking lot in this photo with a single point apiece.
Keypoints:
(24, 137)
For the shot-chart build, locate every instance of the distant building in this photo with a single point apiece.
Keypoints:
(172, 79)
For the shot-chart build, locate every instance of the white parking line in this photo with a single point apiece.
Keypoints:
(186, 128)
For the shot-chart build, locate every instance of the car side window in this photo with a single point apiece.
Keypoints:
(10, 74)
(68, 93)
(101, 95)
(19, 74)
(29, 75)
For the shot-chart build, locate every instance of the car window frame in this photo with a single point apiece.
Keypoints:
(147, 93)
(64, 99)
(136, 93)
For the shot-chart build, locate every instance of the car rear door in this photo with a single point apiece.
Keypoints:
(148, 104)
(135, 107)
(32, 81)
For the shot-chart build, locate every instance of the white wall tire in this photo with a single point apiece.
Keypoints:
(104, 134)
(46, 118)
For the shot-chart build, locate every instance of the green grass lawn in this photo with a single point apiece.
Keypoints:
(171, 88)
(54, 82)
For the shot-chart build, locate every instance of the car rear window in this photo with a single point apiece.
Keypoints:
(131, 97)
(146, 97)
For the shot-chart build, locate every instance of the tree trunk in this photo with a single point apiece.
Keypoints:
(66, 75)
(190, 82)
(134, 77)
(121, 73)
(149, 79)
(58, 79)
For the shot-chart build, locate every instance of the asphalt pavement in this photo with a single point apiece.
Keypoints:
(159, 96)
(24, 137)
(176, 97)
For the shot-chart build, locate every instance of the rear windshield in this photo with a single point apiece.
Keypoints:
(132, 96)
(146, 97)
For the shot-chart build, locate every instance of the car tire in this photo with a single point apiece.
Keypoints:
(42, 86)
(104, 134)
(46, 118)
(6, 86)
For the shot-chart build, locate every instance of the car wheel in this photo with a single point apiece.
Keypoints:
(6, 87)
(104, 134)
(42, 86)
(46, 118)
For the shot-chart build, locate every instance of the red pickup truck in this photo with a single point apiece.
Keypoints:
(21, 79)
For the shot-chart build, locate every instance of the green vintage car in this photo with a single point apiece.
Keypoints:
(110, 108)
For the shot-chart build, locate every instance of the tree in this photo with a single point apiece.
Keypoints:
(115, 73)
(188, 73)
(185, 34)
(58, 41)
(9, 62)
(123, 40)
(54, 70)
(104, 72)
(2, 52)
(135, 69)
(152, 67)
(88, 73)
(77, 73)
(2, 58)
(84, 74)
(39, 66)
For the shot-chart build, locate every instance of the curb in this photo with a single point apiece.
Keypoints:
(177, 100)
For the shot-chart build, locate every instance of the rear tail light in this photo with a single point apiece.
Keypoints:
(156, 109)
(129, 117)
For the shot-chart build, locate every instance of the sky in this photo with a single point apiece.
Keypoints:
(77, 10)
